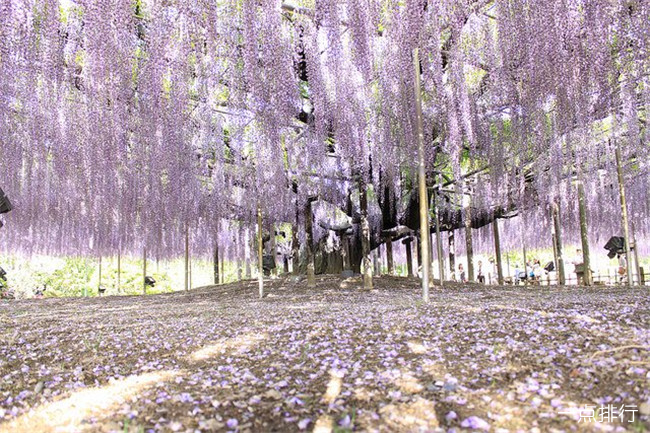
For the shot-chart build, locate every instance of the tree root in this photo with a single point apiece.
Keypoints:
(638, 363)
(618, 349)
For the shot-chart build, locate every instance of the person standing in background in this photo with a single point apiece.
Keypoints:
(480, 277)
(493, 274)
(622, 268)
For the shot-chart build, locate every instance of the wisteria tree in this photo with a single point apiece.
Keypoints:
(131, 126)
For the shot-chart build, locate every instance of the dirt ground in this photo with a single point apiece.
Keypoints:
(334, 358)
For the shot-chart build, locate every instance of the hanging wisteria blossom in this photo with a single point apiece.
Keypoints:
(125, 123)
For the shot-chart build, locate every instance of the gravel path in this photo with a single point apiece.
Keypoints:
(333, 358)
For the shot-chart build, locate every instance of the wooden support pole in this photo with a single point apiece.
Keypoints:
(558, 244)
(260, 252)
(431, 255)
(637, 264)
(409, 257)
(187, 258)
(469, 247)
(523, 244)
(345, 246)
(365, 236)
(247, 253)
(624, 218)
(422, 181)
(376, 261)
(554, 241)
(309, 232)
(237, 239)
(441, 260)
(451, 239)
(497, 250)
(144, 270)
(99, 281)
(295, 247)
(274, 249)
(222, 267)
(584, 234)
(418, 252)
(215, 261)
(119, 270)
(389, 256)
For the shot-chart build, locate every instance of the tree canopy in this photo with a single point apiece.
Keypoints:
(123, 122)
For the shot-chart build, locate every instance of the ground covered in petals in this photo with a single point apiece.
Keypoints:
(334, 358)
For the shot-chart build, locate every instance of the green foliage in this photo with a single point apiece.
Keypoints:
(70, 280)
(137, 9)
(304, 89)
(79, 276)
